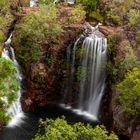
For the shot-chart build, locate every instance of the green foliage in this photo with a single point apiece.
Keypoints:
(76, 14)
(51, 60)
(2, 37)
(96, 15)
(126, 62)
(112, 15)
(134, 18)
(45, 2)
(138, 36)
(123, 62)
(129, 90)
(3, 3)
(130, 59)
(112, 44)
(9, 86)
(34, 30)
(90, 5)
(112, 51)
(59, 129)
(4, 6)
(118, 12)
(5, 19)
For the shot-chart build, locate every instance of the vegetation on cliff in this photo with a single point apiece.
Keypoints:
(59, 129)
(129, 90)
(34, 30)
(5, 19)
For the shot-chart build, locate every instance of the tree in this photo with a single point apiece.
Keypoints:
(129, 90)
(59, 129)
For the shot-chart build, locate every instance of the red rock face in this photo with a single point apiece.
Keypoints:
(45, 79)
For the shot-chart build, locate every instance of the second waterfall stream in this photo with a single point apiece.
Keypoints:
(92, 71)
(15, 109)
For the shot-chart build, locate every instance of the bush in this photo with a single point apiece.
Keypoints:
(9, 86)
(117, 11)
(59, 129)
(89, 5)
(45, 2)
(114, 17)
(128, 62)
(134, 18)
(129, 90)
(5, 20)
(76, 14)
(126, 59)
(138, 36)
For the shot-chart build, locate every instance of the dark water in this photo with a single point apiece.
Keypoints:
(28, 128)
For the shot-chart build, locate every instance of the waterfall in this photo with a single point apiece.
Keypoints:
(92, 65)
(68, 1)
(15, 109)
(33, 3)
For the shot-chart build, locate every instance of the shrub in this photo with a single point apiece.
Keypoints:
(59, 129)
(117, 10)
(3, 3)
(76, 14)
(5, 20)
(138, 36)
(45, 2)
(90, 5)
(128, 62)
(134, 18)
(96, 15)
(9, 86)
(114, 17)
(129, 90)
(122, 62)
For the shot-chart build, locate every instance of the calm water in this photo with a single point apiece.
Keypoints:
(27, 129)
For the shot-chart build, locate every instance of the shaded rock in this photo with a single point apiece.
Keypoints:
(136, 134)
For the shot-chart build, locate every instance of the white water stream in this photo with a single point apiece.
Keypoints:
(15, 109)
(92, 73)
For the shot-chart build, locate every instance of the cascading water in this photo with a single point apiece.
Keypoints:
(15, 109)
(68, 1)
(33, 3)
(92, 74)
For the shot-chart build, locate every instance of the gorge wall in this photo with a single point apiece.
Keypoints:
(45, 78)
